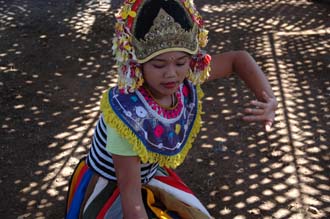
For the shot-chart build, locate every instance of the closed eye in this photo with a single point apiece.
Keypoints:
(158, 66)
(180, 64)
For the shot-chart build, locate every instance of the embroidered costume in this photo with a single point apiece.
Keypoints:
(130, 116)
(156, 136)
(135, 116)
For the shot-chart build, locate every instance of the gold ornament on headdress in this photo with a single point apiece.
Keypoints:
(165, 35)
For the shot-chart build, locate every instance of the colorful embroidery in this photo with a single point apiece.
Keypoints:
(164, 112)
(155, 138)
(159, 130)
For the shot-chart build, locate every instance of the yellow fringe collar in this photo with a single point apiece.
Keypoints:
(146, 156)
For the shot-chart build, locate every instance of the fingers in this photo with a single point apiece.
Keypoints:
(262, 111)
(255, 114)
(259, 110)
(268, 125)
(259, 104)
(256, 118)
(254, 111)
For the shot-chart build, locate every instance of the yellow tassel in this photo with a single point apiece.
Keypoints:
(146, 156)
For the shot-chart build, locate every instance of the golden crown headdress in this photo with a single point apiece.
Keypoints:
(164, 35)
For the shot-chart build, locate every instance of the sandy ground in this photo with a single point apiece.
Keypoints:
(55, 62)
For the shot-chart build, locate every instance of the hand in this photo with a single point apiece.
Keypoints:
(262, 111)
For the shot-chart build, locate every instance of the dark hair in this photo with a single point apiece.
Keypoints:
(149, 11)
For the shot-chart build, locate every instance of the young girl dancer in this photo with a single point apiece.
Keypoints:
(149, 121)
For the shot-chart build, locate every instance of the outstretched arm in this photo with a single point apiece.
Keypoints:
(247, 69)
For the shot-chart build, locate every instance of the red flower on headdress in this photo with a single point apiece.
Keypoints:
(200, 61)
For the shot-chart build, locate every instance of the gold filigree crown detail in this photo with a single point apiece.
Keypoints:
(165, 34)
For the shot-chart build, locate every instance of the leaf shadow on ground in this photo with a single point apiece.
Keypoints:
(55, 62)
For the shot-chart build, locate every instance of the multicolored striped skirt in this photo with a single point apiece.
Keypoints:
(165, 196)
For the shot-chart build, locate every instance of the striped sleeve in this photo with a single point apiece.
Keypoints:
(100, 160)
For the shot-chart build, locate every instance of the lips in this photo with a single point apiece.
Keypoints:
(169, 85)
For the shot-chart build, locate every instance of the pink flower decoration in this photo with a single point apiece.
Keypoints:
(185, 91)
(159, 130)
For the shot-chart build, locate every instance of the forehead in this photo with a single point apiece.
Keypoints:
(170, 56)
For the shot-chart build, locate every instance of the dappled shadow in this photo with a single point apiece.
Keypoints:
(244, 172)
(55, 62)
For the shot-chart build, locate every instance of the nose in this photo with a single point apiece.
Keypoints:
(170, 71)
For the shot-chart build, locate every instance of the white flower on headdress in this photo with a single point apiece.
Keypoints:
(130, 76)
(122, 44)
(129, 71)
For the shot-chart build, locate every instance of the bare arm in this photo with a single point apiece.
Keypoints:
(129, 182)
(241, 62)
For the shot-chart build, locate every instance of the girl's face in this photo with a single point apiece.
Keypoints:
(164, 73)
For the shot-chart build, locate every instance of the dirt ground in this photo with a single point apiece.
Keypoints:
(55, 62)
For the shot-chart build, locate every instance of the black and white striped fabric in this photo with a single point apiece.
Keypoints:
(100, 160)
